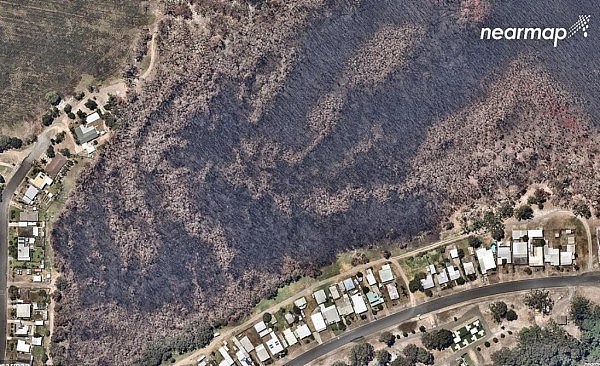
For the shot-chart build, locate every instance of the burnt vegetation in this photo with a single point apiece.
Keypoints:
(278, 133)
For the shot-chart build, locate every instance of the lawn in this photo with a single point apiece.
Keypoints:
(48, 45)
(14, 214)
(413, 265)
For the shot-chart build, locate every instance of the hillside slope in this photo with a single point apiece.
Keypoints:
(278, 134)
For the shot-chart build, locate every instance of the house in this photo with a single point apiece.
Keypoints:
(29, 216)
(330, 314)
(427, 282)
(385, 274)
(431, 269)
(358, 303)
(344, 306)
(23, 347)
(36, 341)
(333, 290)
(23, 250)
(536, 255)
(454, 253)
(289, 318)
(261, 353)
(320, 296)
(227, 360)
(30, 193)
(21, 330)
(374, 299)
(274, 345)
(86, 134)
(370, 277)
(92, 118)
(442, 277)
(349, 284)
(566, 258)
(247, 344)
(41, 180)
(392, 291)
(303, 331)
(261, 329)
(486, 259)
(318, 322)
(551, 255)
(289, 336)
(301, 303)
(88, 148)
(469, 268)
(504, 254)
(24, 311)
(517, 235)
(244, 358)
(55, 166)
(519, 252)
(453, 273)
(535, 234)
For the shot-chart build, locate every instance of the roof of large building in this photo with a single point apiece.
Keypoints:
(427, 282)
(486, 259)
(318, 322)
(300, 303)
(349, 284)
(92, 117)
(358, 303)
(54, 167)
(386, 274)
(330, 314)
(85, 134)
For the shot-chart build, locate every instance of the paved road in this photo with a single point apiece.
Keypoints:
(589, 278)
(9, 190)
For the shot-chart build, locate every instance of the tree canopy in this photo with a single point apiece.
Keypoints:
(437, 339)
(361, 354)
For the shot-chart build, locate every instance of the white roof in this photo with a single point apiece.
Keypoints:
(349, 284)
(454, 253)
(519, 249)
(504, 253)
(335, 294)
(552, 256)
(370, 277)
(392, 291)
(453, 273)
(469, 268)
(22, 330)
(301, 302)
(566, 258)
(31, 192)
(358, 303)
(227, 360)
(518, 234)
(318, 322)
(330, 314)
(23, 310)
(23, 346)
(486, 259)
(536, 256)
(274, 344)
(248, 346)
(431, 269)
(289, 336)
(244, 358)
(537, 233)
(260, 326)
(442, 277)
(92, 117)
(427, 282)
(386, 274)
(23, 253)
(303, 331)
(39, 322)
(320, 296)
(262, 353)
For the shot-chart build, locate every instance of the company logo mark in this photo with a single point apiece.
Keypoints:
(554, 34)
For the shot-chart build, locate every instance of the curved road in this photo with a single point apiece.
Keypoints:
(589, 278)
(9, 190)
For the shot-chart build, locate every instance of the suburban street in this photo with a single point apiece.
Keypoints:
(39, 148)
(589, 278)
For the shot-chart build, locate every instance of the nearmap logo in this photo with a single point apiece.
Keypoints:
(554, 34)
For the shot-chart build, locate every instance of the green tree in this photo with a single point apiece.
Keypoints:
(505, 210)
(498, 310)
(339, 363)
(267, 318)
(474, 241)
(71, 115)
(383, 357)
(13, 292)
(50, 152)
(361, 354)
(388, 338)
(582, 210)
(47, 119)
(65, 152)
(580, 309)
(524, 212)
(53, 98)
(91, 104)
(539, 300)
(79, 95)
(68, 108)
(437, 339)
(511, 315)
(414, 285)
(401, 361)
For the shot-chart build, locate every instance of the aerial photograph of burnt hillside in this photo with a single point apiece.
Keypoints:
(275, 135)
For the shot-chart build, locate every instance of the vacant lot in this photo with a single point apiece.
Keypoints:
(48, 45)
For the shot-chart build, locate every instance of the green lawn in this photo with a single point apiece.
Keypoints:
(419, 262)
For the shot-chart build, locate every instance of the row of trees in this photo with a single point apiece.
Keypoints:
(363, 353)
(501, 311)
